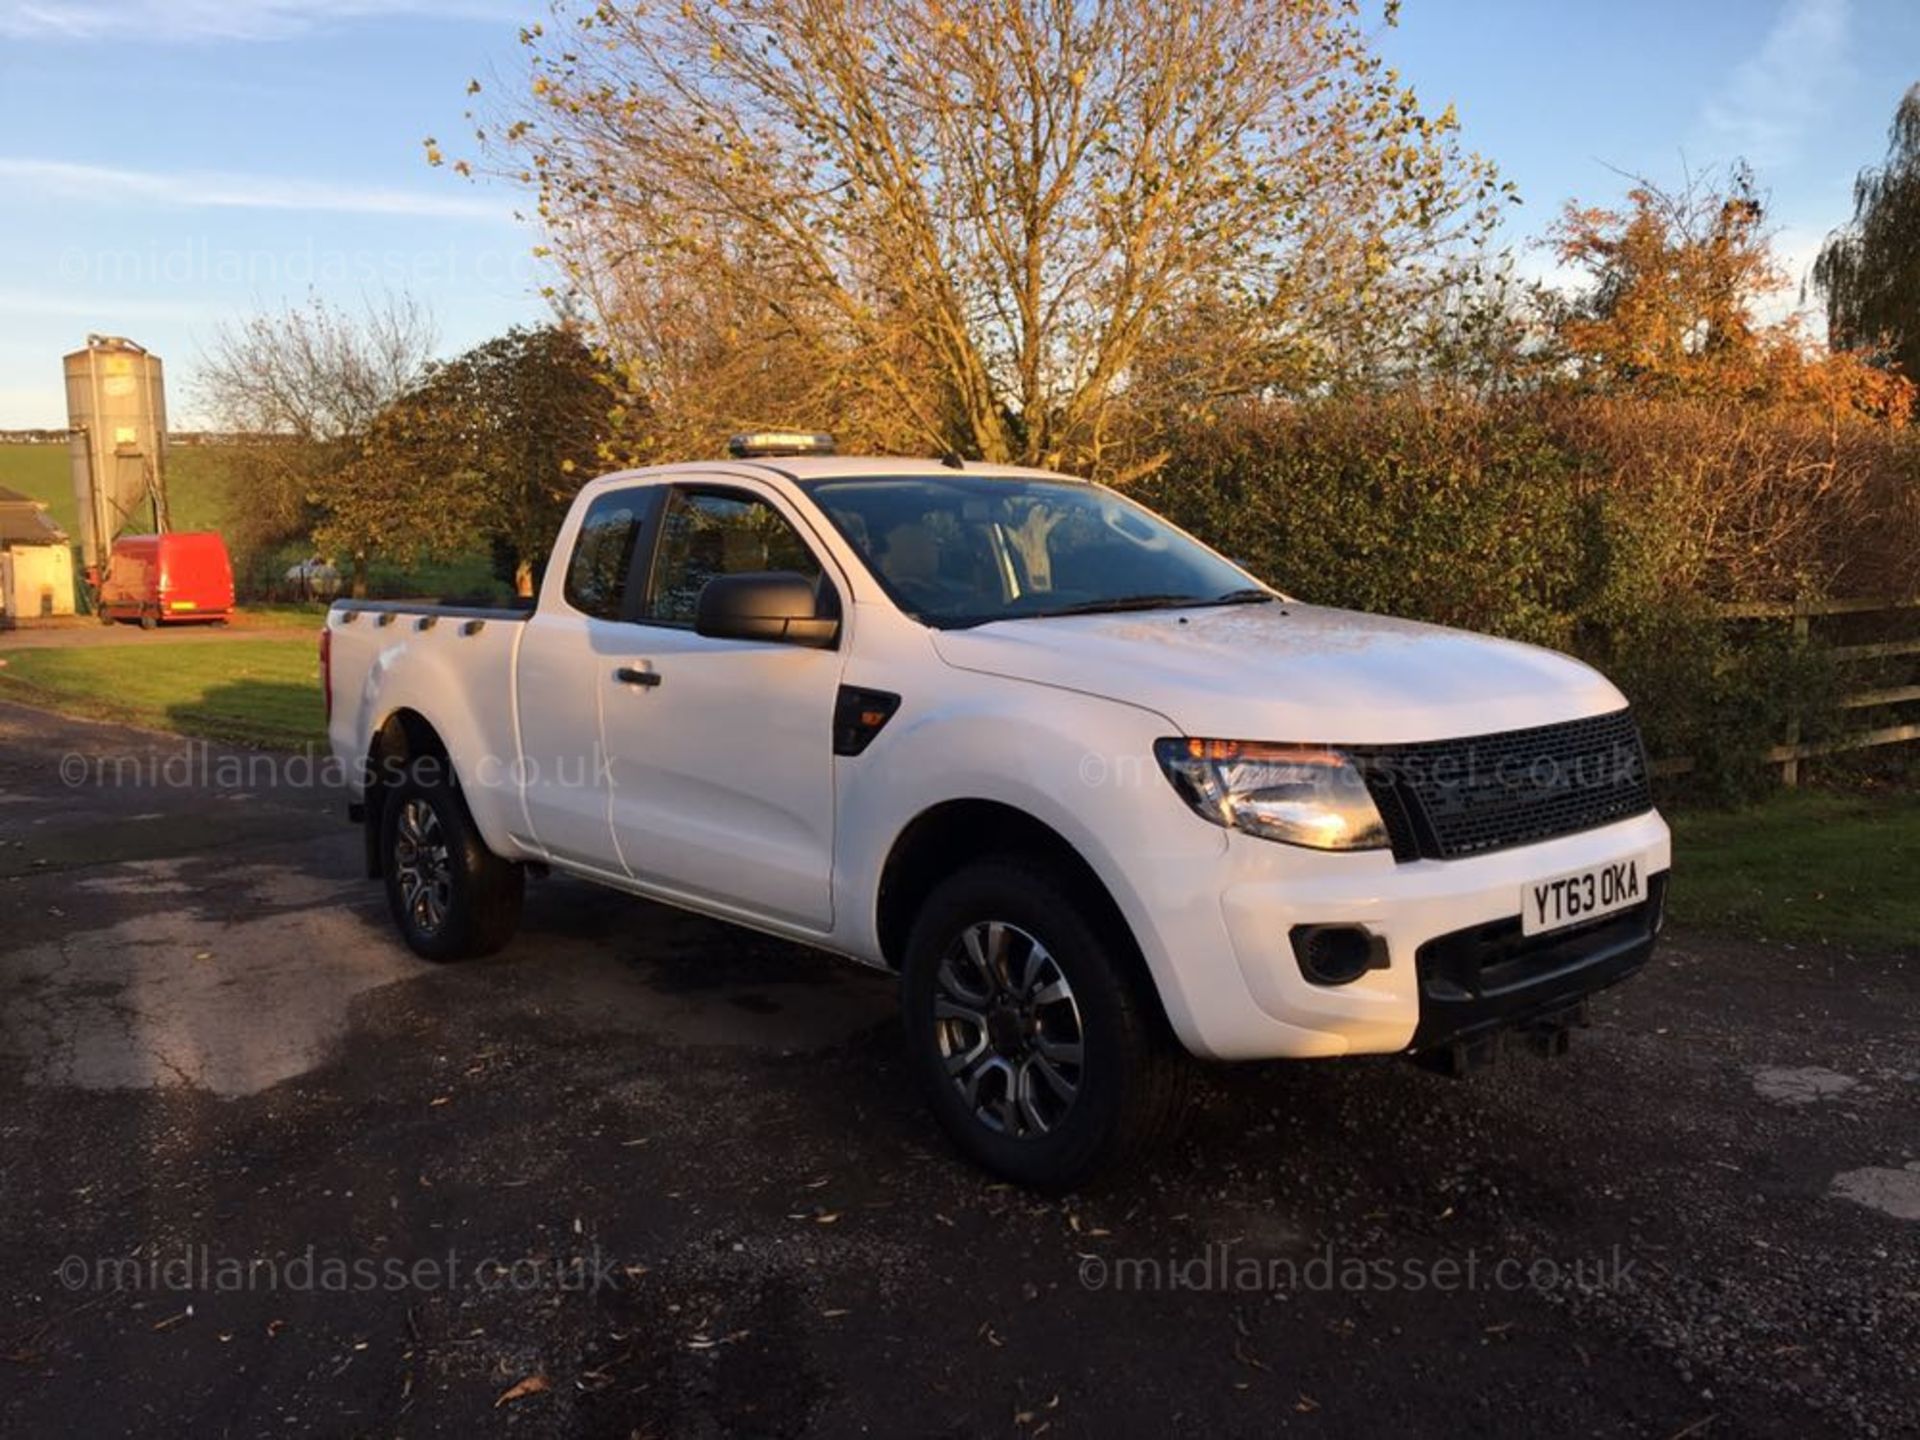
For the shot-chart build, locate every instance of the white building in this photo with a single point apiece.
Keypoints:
(36, 561)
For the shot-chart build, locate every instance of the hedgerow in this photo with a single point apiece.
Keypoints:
(1598, 525)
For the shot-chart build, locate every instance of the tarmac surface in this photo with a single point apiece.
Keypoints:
(264, 1172)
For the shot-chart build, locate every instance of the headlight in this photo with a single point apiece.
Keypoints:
(1299, 794)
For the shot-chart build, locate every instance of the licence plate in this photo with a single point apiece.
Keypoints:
(1563, 900)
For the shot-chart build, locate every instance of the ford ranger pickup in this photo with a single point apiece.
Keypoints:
(1100, 798)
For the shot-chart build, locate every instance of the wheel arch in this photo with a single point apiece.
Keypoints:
(404, 736)
(947, 836)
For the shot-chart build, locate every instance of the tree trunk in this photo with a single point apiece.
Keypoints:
(359, 577)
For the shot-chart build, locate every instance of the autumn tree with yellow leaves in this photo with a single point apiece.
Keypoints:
(1683, 297)
(1017, 229)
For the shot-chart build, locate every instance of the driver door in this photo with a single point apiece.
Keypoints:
(720, 752)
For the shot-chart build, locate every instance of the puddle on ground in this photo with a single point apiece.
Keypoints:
(1805, 1086)
(175, 997)
(1892, 1192)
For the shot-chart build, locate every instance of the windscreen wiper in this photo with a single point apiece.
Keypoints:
(1117, 602)
(1251, 595)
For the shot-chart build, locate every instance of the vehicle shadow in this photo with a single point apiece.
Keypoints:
(251, 711)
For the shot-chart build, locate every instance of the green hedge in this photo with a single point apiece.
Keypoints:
(1589, 525)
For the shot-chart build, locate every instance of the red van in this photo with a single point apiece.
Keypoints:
(182, 575)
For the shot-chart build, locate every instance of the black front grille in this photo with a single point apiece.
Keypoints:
(1445, 799)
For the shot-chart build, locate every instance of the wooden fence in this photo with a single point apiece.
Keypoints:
(1802, 614)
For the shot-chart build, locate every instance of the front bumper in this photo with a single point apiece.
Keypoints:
(1219, 945)
(1492, 977)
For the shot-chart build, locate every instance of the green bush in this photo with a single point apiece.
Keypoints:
(1605, 528)
(1722, 695)
(1442, 514)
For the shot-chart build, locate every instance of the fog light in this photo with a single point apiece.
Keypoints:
(1337, 954)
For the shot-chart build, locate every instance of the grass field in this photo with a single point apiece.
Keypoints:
(199, 497)
(196, 488)
(1805, 865)
(253, 692)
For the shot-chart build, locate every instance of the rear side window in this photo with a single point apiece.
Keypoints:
(603, 553)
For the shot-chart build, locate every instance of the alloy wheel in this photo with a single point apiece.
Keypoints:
(423, 866)
(1008, 1029)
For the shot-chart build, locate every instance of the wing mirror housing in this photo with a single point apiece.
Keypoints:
(770, 605)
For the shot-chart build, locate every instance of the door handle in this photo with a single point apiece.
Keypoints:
(633, 675)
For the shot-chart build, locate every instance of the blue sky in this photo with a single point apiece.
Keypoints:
(166, 165)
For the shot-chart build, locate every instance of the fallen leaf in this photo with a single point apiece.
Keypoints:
(532, 1385)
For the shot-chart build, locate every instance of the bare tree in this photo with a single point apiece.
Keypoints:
(1010, 228)
(306, 386)
(314, 372)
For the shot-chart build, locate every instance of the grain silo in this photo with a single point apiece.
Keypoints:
(117, 408)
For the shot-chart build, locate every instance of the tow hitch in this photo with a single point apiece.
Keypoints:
(1547, 1035)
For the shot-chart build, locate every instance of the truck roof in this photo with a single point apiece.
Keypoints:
(806, 469)
(885, 467)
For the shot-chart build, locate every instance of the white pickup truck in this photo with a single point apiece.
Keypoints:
(1096, 794)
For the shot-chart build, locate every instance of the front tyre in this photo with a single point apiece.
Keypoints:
(1039, 1051)
(452, 898)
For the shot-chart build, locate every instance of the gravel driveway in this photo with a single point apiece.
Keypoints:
(265, 1172)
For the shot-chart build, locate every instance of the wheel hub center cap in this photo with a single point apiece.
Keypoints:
(1007, 1030)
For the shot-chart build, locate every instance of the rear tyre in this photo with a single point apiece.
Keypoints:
(1037, 1046)
(148, 620)
(452, 898)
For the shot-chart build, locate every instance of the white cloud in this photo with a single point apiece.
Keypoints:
(173, 21)
(1534, 263)
(1776, 97)
(205, 189)
(1795, 247)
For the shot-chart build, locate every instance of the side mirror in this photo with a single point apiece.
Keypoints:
(775, 605)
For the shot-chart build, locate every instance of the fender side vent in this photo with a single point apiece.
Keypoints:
(859, 715)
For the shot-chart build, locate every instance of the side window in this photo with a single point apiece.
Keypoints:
(704, 533)
(602, 555)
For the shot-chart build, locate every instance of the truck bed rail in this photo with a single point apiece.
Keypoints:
(426, 613)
